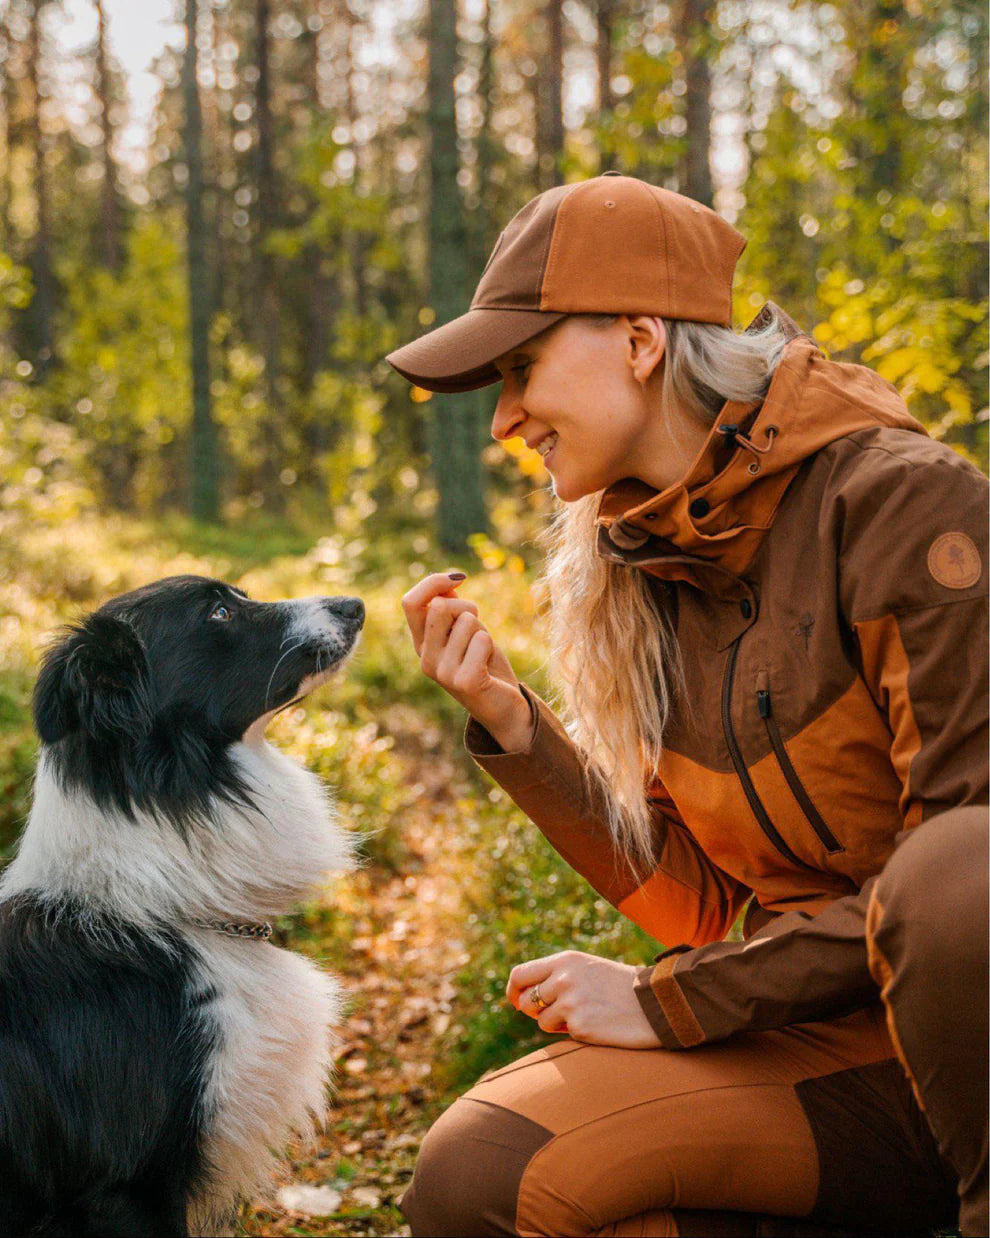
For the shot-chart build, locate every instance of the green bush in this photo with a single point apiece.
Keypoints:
(525, 902)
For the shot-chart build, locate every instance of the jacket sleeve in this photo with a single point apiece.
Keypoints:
(913, 594)
(687, 898)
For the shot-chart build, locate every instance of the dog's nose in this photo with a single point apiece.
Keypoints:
(351, 609)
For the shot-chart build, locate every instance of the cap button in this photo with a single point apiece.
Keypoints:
(611, 173)
(699, 507)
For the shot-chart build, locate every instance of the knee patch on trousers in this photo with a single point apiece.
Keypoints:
(867, 1131)
(469, 1169)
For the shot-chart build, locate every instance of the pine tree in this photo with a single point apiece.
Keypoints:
(204, 489)
(455, 438)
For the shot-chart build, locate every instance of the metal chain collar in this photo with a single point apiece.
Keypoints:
(256, 930)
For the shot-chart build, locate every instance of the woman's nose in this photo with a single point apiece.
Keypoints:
(508, 416)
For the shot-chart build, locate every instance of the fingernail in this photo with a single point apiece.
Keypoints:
(457, 575)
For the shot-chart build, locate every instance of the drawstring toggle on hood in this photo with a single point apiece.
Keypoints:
(733, 437)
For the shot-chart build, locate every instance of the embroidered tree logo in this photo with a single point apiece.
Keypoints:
(954, 561)
(957, 559)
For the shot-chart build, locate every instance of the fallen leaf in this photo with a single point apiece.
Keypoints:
(366, 1197)
(309, 1201)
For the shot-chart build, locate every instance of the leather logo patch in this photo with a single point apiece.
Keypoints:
(954, 561)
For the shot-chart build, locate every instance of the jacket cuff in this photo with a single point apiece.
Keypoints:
(652, 1009)
(665, 1005)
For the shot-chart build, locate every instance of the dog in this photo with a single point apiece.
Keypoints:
(154, 1045)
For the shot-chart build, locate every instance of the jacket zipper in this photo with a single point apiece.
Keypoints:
(828, 839)
(759, 811)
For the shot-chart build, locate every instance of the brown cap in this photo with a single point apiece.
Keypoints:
(610, 245)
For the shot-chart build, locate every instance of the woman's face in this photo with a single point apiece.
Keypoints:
(586, 396)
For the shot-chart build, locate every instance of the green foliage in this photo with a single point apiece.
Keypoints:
(124, 377)
(343, 220)
(15, 288)
(882, 201)
(44, 464)
(526, 902)
(933, 350)
(863, 128)
(640, 133)
(18, 752)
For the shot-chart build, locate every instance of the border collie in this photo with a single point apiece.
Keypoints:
(154, 1046)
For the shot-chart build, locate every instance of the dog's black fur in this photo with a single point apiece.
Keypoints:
(102, 1061)
(158, 806)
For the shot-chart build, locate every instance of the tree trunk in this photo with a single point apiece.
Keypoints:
(604, 16)
(873, 91)
(535, 89)
(455, 431)
(218, 138)
(203, 488)
(486, 145)
(553, 156)
(43, 305)
(696, 44)
(356, 243)
(112, 249)
(320, 306)
(268, 293)
(7, 96)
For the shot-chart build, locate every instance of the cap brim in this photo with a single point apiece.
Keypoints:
(459, 355)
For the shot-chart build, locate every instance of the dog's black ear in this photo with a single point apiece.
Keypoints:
(97, 680)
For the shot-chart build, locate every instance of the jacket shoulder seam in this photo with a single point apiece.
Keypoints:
(879, 447)
(912, 465)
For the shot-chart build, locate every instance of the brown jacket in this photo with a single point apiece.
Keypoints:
(825, 563)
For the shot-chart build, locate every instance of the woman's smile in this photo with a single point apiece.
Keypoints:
(546, 445)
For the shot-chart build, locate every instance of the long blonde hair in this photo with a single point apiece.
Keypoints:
(613, 649)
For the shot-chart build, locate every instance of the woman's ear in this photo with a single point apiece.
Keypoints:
(646, 339)
(95, 680)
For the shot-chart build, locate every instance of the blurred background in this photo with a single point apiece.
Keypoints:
(217, 216)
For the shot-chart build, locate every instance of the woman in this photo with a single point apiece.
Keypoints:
(768, 611)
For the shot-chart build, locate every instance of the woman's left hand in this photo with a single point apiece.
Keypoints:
(589, 999)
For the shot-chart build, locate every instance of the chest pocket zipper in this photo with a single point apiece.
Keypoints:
(825, 835)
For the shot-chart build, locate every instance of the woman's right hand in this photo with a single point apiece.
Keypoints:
(457, 651)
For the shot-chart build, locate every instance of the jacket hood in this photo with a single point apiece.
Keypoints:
(716, 516)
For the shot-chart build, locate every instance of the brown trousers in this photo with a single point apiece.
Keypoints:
(809, 1130)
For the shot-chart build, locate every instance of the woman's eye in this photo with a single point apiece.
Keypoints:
(221, 613)
(522, 368)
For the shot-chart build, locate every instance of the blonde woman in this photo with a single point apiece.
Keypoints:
(768, 618)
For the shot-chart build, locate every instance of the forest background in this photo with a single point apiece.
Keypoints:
(198, 285)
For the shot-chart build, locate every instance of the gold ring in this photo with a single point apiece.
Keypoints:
(538, 1001)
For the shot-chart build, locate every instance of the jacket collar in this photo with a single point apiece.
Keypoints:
(706, 528)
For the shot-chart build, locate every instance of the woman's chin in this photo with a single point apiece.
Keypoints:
(568, 490)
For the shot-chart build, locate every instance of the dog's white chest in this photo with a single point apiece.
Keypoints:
(273, 1013)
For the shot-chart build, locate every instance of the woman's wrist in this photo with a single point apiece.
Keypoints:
(514, 729)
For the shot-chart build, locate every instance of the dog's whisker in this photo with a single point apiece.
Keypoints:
(298, 645)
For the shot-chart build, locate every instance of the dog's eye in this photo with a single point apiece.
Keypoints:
(220, 613)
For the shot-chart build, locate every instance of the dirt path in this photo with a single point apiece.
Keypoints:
(398, 969)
